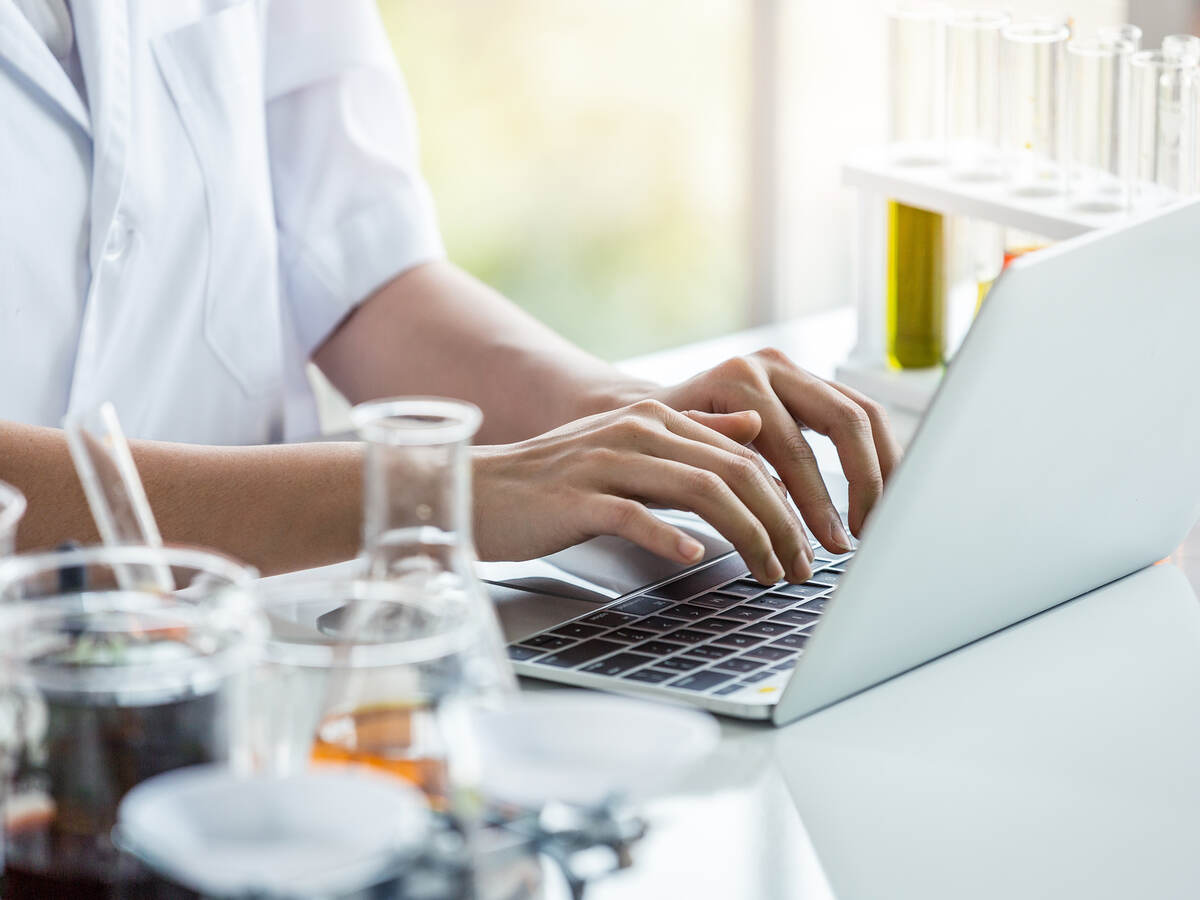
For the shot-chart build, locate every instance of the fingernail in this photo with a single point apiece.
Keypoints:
(838, 535)
(774, 569)
(801, 568)
(690, 549)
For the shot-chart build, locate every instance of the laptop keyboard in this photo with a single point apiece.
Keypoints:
(713, 631)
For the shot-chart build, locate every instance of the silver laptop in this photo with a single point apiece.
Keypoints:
(1062, 452)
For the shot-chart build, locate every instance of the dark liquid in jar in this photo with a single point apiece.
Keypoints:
(92, 755)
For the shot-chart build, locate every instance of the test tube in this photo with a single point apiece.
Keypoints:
(1034, 68)
(973, 93)
(1097, 124)
(1164, 127)
(916, 237)
(1130, 34)
(916, 49)
(1181, 47)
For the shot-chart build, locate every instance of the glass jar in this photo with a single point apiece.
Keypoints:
(103, 687)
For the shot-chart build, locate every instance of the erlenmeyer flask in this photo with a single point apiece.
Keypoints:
(417, 515)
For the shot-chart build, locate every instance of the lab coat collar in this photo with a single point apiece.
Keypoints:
(23, 50)
(102, 28)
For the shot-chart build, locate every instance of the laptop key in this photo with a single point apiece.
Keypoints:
(700, 582)
(716, 600)
(658, 648)
(649, 676)
(710, 651)
(768, 654)
(642, 606)
(618, 663)
(744, 587)
(680, 663)
(792, 641)
(728, 689)
(687, 611)
(767, 629)
(831, 577)
(804, 591)
(518, 653)
(547, 641)
(757, 676)
(815, 606)
(658, 623)
(717, 626)
(580, 654)
(701, 681)
(739, 665)
(785, 666)
(576, 630)
(686, 636)
(776, 601)
(796, 617)
(739, 640)
(746, 613)
(632, 635)
(608, 619)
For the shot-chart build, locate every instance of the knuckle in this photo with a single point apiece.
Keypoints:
(740, 369)
(742, 469)
(623, 515)
(704, 483)
(854, 418)
(773, 355)
(655, 409)
(601, 457)
(797, 448)
(630, 429)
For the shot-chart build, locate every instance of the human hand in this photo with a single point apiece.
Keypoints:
(595, 475)
(787, 398)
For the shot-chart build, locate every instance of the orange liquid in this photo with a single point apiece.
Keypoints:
(384, 738)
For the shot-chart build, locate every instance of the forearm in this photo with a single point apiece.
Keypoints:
(278, 508)
(437, 330)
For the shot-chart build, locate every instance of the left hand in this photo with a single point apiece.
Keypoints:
(788, 398)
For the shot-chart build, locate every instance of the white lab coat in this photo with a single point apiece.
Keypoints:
(241, 175)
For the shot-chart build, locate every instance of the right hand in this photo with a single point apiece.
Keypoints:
(595, 476)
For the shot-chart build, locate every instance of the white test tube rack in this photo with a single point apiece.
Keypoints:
(879, 179)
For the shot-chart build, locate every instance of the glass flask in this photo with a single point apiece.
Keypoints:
(12, 508)
(417, 514)
(1033, 60)
(1164, 108)
(103, 687)
(916, 239)
(1098, 124)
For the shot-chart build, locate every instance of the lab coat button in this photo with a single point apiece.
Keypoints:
(120, 237)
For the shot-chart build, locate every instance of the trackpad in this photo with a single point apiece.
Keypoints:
(602, 568)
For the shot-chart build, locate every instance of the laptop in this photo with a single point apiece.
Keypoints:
(1060, 453)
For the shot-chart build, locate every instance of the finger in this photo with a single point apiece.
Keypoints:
(741, 427)
(631, 520)
(886, 446)
(833, 414)
(745, 473)
(784, 445)
(703, 492)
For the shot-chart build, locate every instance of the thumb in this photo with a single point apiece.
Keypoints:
(742, 427)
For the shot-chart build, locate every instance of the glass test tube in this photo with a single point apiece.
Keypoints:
(1130, 34)
(973, 93)
(1181, 47)
(1033, 70)
(1097, 124)
(1164, 127)
(916, 237)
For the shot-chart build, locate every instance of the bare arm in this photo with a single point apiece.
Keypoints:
(277, 508)
(436, 330)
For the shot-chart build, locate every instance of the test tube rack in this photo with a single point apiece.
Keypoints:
(878, 178)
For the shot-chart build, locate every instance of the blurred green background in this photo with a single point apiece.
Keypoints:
(589, 159)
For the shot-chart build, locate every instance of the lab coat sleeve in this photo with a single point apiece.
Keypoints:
(351, 207)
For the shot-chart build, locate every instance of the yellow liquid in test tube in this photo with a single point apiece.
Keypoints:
(916, 287)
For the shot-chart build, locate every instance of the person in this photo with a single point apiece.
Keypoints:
(201, 197)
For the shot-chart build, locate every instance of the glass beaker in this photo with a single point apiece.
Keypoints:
(1034, 64)
(370, 672)
(12, 508)
(1164, 109)
(973, 93)
(103, 688)
(1098, 124)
